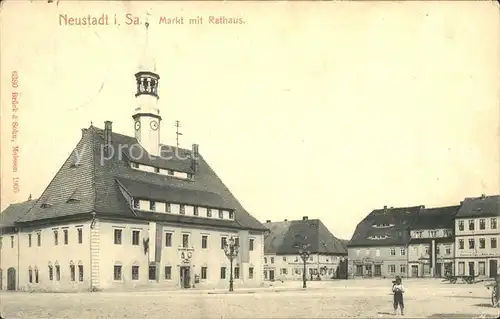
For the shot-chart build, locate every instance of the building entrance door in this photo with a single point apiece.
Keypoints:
(185, 276)
(11, 279)
(471, 268)
(271, 275)
(439, 267)
(414, 270)
(493, 268)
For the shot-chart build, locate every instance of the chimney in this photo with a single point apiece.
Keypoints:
(194, 158)
(305, 218)
(422, 207)
(107, 132)
(483, 196)
(286, 220)
(84, 130)
(268, 221)
(29, 198)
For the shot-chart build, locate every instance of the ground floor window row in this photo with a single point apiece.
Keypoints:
(481, 268)
(323, 271)
(376, 270)
(167, 272)
(54, 273)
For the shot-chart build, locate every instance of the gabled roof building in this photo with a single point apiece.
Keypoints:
(128, 211)
(477, 237)
(378, 247)
(282, 246)
(431, 246)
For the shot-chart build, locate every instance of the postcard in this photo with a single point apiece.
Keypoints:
(249, 159)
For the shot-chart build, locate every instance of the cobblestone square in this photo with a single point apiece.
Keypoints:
(340, 299)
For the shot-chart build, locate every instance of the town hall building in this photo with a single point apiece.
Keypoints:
(125, 212)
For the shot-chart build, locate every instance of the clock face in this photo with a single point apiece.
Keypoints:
(154, 125)
(137, 125)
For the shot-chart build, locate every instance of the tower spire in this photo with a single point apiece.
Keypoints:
(147, 62)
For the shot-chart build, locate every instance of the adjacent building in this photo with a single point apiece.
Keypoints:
(431, 247)
(378, 247)
(282, 244)
(127, 212)
(477, 236)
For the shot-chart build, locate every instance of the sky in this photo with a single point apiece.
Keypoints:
(320, 109)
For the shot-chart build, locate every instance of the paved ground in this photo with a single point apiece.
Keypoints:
(341, 299)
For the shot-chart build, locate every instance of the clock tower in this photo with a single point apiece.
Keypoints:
(147, 113)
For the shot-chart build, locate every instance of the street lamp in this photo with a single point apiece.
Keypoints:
(231, 251)
(304, 253)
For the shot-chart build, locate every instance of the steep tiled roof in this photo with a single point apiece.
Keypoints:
(484, 206)
(437, 217)
(401, 219)
(13, 212)
(96, 181)
(284, 236)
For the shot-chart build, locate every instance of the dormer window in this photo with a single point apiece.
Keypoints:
(378, 237)
(170, 172)
(136, 204)
(195, 210)
(382, 225)
(209, 212)
(152, 205)
(45, 205)
(167, 208)
(221, 213)
(135, 165)
(231, 215)
(157, 169)
(182, 209)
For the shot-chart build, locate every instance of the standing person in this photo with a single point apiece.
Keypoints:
(398, 290)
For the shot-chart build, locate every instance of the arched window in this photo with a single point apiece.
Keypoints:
(36, 274)
(30, 275)
(51, 272)
(72, 271)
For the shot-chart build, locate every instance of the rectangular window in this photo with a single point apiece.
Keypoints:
(182, 210)
(461, 268)
(135, 272)
(209, 212)
(482, 243)
(223, 242)
(461, 225)
(221, 213)
(251, 245)
(203, 272)
(118, 236)
(493, 243)
(403, 252)
(222, 272)
(136, 203)
(265, 260)
(72, 272)
(402, 269)
(231, 215)
(377, 270)
(36, 275)
(272, 260)
(471, 243)
(236, 272)
(377, 252)
(393, 251)
(185, 240)
(152, 272)
(168, 272)
(11, 241)
(80, 235)
(359, 270)
(392, 269)
(30, 275)
(80, 272)
(482, 268)
(65, 235)
(482, 224)
(471, 224)
(51, 273)
(56, 237)
(152, 206)
(195, 210)
(237, 242)
(135, 237)
(167, 208)
(168, 239)
(29, 240)
(284, 258)
(204, 241)
(461, 244)
(493, 223)
(437, 250)
(58, 273)
(117, 272)
(448, 250)
(250, 273)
